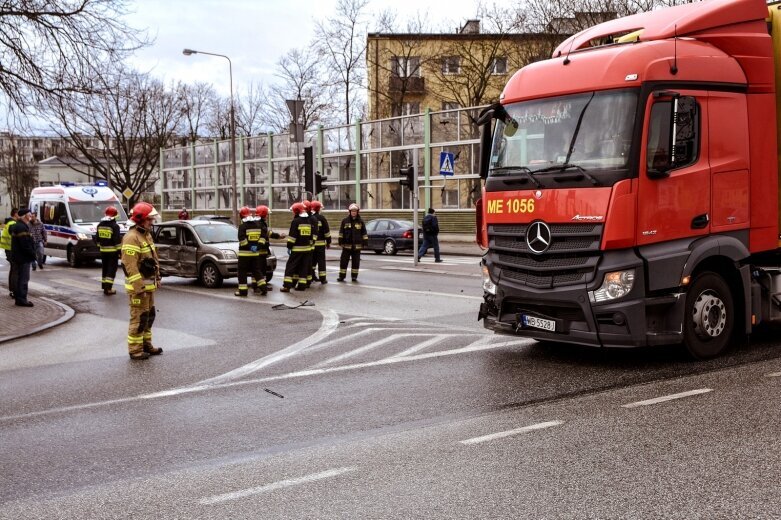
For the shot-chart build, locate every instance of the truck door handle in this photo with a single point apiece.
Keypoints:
(700, 221)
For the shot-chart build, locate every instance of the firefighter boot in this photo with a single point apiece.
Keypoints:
(151, 350)
(138, 356)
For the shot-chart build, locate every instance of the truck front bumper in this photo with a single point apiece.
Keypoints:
(635, 320)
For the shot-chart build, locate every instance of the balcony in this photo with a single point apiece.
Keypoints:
(410, 85)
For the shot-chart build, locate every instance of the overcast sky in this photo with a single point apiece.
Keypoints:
(253, 33)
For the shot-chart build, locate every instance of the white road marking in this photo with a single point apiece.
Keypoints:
(510, 433)
(774, 374)
(475, 347)
(327, 327)
(422, 345)
(78, 284)
(359, 350)
(666, 398)
(216, 499)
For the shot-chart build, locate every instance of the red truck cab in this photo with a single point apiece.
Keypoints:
(631, 184)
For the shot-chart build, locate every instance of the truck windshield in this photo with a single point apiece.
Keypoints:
(585, 132)
(83, 212)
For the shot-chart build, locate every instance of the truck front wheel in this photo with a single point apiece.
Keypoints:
(709, 319)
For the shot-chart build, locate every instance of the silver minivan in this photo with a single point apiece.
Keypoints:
(203, 249)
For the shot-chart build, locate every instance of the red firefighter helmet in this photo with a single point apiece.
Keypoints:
(307, 205)
(111, 211)
(142, 211)
(261, 211)
(297, 208)
(316, 205)
(244, 212)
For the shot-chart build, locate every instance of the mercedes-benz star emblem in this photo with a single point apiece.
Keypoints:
(538, 237)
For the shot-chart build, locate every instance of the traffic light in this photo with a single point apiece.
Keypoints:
(409, 177)
(318, 183)
(309, 169)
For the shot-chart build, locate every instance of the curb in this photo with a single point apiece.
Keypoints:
(69, 313)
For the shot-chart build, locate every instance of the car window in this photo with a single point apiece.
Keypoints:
(371, 225)
(382, 225)
(188, 238)
(215, 233)
(167, 236)
(393, 225)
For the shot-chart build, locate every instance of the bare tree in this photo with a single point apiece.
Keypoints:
(54, 48)
(118, 134)
(18, 171)
(395, 61)
(300, 73)
(195, 101)
(341, 40)
(218, 118)
(250, 116)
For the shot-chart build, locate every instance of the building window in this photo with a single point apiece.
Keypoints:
(451, 65)
(450, 198)
(406, 67)
(499, 66)
(451, 108)
(408, 109)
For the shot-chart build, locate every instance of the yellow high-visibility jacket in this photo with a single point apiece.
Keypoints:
(136, 246)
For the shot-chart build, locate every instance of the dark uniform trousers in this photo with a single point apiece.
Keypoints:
(350, 254)
(251, 264)
(318, 269)
(299, 265)
(109, 263)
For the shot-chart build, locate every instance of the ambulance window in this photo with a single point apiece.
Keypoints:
(54, 213)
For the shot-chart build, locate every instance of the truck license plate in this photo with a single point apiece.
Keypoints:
(538, 323)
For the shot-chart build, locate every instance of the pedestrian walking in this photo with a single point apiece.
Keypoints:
(142, 278)
(322, 243)
(109, 241)
(250, 236)
(38, 232)
(430, 235)
(261, 214)
(22, 256)
(299, 248)
(184, 214)
(352, 238)
(5, 243)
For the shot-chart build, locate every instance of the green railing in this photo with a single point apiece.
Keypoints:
(360, 163)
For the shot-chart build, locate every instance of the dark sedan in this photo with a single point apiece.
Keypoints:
(390, 236)
(203, 249)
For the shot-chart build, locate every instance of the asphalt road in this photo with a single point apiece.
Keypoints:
(383, 399)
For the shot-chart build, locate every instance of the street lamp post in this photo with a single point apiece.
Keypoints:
(234, 194)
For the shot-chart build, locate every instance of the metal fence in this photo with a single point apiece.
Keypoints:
(360, 163)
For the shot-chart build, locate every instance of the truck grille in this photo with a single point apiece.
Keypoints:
(571, 258)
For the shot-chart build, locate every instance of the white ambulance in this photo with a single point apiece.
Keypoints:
(70, 214)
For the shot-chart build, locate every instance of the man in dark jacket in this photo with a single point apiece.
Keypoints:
(299, 247)
(322, 243)
(22, 256)
(352, 238)
(5, 242)
(430, 232)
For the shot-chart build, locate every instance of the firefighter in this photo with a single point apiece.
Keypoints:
(322, 243)
(109, 241)
(142, 278)
(249, 251)
(315, 225)
(352, 238)
(261, 214)
(299, 247)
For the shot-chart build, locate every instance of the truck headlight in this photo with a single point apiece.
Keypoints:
(228, 254)
(488, 285)
(83, 236)
(615, 285)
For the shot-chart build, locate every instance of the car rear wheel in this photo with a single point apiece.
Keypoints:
(210, 276)
(390, 247)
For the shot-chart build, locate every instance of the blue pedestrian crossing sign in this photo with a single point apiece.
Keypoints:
(446, 163)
